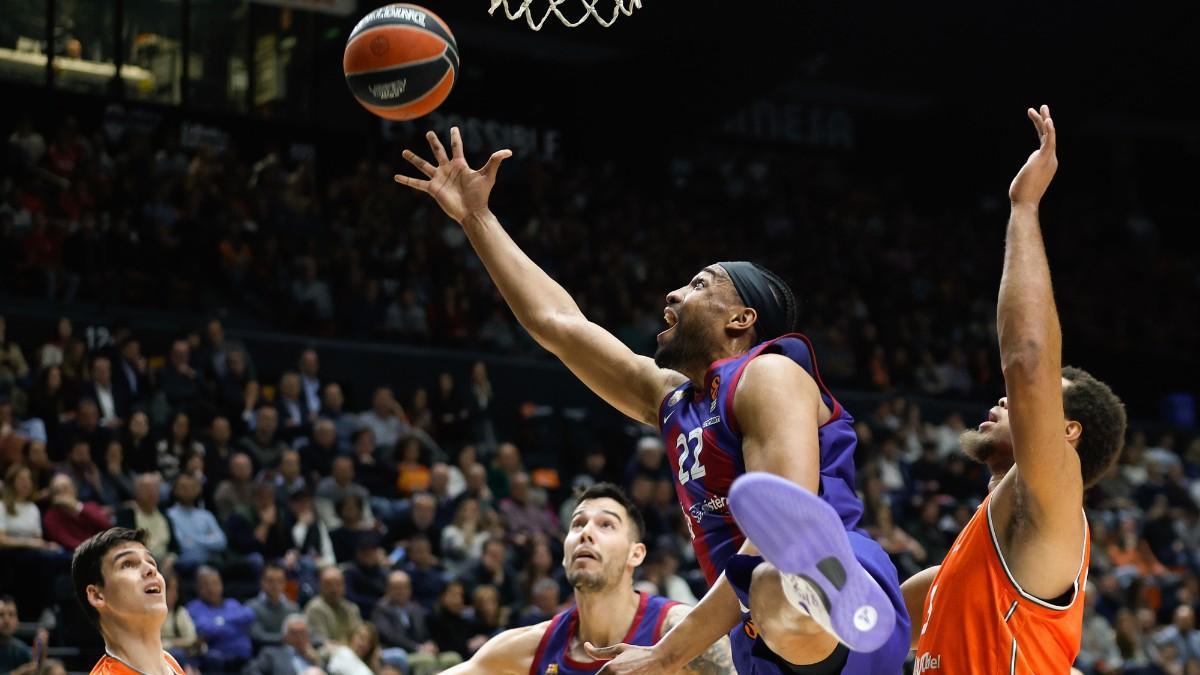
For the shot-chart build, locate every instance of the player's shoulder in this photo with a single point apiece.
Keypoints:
(513, 650)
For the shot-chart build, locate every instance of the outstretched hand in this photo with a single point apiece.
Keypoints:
(625, 659)
(1033, 178)
(458, 189)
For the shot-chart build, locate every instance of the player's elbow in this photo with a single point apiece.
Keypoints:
(555, 330)
(1024, 359)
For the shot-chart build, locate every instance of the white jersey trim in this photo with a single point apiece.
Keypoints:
(1013, 580)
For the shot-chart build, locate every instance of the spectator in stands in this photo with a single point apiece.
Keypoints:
(20, 519)
(294, 656)
(428, 576)
(218, 449)
(292, 407)
(235, 494)
(332, 617)
(53, 404)
(309, 535)
(449, 411)
(366, 576)
(334, 488)
(178, 447)
(289, 476)
(419, 413)
(237, 389)
(375, 473)
(649, 460)
(141, 453)
(130, 376)
(479, 407)
(181, 384)
(525, 513)
(84, 473)
(115, 477)
(179, 635)
(543, 605)
(271, 607)
(310, 293)
(144, 514)
(346, 536)
(403, 625)
(317, 452)
(449, 625)
(13, 652)
(13, 367)
(259, 533)
(113, 406)
(477, 487)
(421, 520)
(223, 623)
(385, 419)
(333, 403)
(68, 521)
(488, 618)
(1181, 637)
(310, 381)
(506, 464)
(412, 474)
(86, 425)
(201, 539)
(463, 539)
(263, 445)
(493, 569)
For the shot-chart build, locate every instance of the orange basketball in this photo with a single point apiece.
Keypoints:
(401, 61)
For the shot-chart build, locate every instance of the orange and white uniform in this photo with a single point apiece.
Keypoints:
(977, 619)
(110, 665)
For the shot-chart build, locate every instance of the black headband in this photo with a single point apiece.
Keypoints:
(754, 287)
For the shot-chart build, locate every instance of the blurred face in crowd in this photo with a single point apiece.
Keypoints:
(508, 458)
(235, 362)
(289, 386)
(180, 426)
(146, 490)
(139, 425)
(209, 586)
(102, 371)
(383, 402)
(479, 373)
(325, 434)
(439, 478)
(452, 598)
(216, 333)
(518, 487)
(545, 596)
(309, 363)
(221, 432)
(267, 423)
(343, 471)
(696, 316)
(21, 483)
(1184, 619)
(476, 478)
(600, 550)
(131, 351)
(179, 353)
(273, 580)
(62, 486)
(241, 470)
(399, 588)
(88, 416)
(424, 510)
(333, 399)
(296, 635)
(81, 453)
(289, 464)
(333, 585)
(364, 443)
(8, 619)
(187, 489)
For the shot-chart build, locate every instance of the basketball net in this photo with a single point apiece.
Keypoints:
(523, 8)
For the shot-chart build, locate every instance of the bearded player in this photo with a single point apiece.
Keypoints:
(602, 549)
(1007, 598)
(731, 390)
(121, 590)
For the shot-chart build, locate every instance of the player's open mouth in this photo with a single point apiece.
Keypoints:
(671, 318)
(580, 555)
(153, 589)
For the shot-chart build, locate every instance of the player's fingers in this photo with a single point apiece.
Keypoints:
(414, 183)
(439, 152)
(1036, 119)
(456, 150)
(493, 163)
(419, 162)
(1051, 134)
(1045, 110)
(603, 653)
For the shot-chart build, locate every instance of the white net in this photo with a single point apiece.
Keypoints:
(524, 8)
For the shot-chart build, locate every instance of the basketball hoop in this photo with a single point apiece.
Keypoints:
(524, 8)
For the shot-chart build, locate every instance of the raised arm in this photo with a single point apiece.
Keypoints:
(509, 653)
(1048, 472)
(631, 383)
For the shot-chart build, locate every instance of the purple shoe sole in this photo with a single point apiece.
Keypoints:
(800, 534)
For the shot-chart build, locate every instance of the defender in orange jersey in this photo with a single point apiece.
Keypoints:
(118, 583)
(1006, 599)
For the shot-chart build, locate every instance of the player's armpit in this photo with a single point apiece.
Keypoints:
(915, 589)
(628, 381)
(778, 407)
(509, 653)
(716, 660)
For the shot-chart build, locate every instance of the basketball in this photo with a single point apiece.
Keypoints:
(401, 61)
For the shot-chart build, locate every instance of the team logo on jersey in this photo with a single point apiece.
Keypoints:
(751, 629)
(552, 669)
(675, 398)
(712, 392)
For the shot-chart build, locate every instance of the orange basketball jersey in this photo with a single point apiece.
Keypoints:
(108, 665)
(977, 618)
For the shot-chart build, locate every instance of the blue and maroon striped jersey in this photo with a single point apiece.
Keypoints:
(553, 655)
(704, 446)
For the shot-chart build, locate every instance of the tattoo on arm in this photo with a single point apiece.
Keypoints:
(716, 660)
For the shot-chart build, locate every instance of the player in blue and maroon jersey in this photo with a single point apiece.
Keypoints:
(734, 391)
(602, 549)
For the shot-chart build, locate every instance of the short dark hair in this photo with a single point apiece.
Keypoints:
(1102, 415)
(611, 491)
(87, 563)
(782, 292)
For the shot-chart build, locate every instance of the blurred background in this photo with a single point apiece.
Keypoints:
(191, 199)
